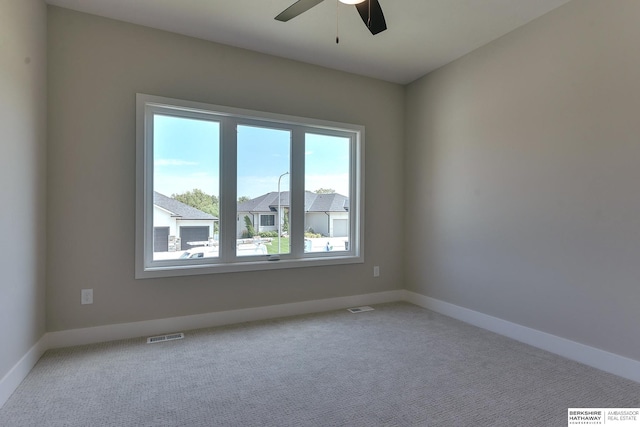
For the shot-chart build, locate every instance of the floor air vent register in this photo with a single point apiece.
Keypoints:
(360, 309)
(163, 338)
(179, 336)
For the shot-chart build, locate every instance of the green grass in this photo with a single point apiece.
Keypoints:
(273, 247)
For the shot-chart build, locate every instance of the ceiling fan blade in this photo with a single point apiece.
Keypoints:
(296, 9)
(371, 13)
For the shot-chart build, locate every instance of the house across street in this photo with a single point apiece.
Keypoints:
(181, 230)
(326, 214)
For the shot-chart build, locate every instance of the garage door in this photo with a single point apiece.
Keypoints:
(193, 234)
(340, 227)
(160, 239)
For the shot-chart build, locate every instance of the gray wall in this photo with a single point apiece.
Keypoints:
(96, 66)
(523, 177)
(22, 172)
(520, 173)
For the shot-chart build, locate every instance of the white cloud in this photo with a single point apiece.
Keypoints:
(252, 186)
(177, 184)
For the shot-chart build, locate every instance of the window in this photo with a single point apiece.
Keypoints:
(267, 220)
(221, 189)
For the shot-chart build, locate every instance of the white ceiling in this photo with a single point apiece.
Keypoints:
(422, 35)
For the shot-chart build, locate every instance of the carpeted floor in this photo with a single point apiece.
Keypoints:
(399, 365)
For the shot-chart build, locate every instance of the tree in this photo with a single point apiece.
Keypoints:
(243, 199)
(200, 200)
(250, 230)
(325, 191)
(285, 220)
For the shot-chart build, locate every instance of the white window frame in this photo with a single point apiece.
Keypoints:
(229, 118)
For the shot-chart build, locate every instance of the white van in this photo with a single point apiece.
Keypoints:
(212, 251)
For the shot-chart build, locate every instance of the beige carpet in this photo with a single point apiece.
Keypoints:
(399, 365)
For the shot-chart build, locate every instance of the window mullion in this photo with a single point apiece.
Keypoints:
(356, 203)
(228, 189)
(297, 208)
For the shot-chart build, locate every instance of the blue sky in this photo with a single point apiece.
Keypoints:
(186, 156)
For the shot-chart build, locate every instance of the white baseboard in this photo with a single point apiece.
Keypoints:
(591, 356)
(609, 362)
(92, 335)
(14, 377)
(72, 337)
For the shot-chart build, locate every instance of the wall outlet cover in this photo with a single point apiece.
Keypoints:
(86, 296)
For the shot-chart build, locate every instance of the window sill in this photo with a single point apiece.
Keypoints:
(246, 266)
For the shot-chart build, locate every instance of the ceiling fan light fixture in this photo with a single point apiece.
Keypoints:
(369, 10)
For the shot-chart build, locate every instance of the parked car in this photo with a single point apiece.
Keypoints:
(200, 252)
(248, 249)
(212, 251)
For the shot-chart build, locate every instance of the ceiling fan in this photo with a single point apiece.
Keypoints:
(369, 10)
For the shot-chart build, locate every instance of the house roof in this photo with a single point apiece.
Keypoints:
(179, 209)
(313, 202)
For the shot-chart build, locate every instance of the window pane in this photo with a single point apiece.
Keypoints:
(327, 219)
(264, 158)
(185, 188)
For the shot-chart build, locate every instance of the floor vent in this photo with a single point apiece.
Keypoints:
(360, 309)
(163, 338)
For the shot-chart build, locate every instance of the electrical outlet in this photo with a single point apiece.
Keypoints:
(376, 271)
(86, 296)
